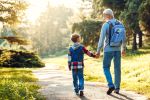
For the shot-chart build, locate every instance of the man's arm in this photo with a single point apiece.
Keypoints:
(123, 47)
(102, 37)
(69, 60)
(88, 52)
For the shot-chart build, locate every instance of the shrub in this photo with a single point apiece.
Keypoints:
(14, 58)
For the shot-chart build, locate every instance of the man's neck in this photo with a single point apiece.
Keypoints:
(109, 19)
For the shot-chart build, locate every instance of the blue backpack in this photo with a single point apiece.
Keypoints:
(116, 34)
(77, 55)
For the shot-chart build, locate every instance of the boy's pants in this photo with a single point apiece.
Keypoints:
(116, 56)
(78, 79)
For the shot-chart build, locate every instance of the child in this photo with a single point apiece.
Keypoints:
(76, 63)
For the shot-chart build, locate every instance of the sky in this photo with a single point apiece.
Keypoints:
(38, 6)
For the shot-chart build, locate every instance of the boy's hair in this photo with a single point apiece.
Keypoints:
(74, 37)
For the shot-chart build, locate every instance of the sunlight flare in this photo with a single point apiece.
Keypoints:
(37, 6)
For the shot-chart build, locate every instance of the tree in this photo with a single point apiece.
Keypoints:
(144, 13)
(89, 30)
(11, 11)
(50, 32)
(11, 14)
(127, 12)
(99, 5)
(130, 17)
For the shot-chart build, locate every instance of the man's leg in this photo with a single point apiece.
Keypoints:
(117, 70)
(106, 67)
(75, 80)
(81, 81)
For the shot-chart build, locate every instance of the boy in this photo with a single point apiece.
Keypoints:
(76, 63)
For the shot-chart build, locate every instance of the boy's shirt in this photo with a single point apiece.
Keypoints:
(79, 63)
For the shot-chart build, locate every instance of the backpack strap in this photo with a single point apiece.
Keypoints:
(110, 28)
(117, 22)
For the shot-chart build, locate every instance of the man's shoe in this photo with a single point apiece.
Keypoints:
(110, 90)
(81, 93)
(116, 91)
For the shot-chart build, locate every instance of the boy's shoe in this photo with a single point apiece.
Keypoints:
(110, 90)
(76, 91)
(81, 93)
(116, 91)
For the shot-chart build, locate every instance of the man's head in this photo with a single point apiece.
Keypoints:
(108, 14)
(75, 37)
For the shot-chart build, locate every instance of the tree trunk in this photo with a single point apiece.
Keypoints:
(134, 45)
(140, 39)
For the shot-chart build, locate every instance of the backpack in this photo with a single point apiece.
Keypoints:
(116, 34)
(77, 54)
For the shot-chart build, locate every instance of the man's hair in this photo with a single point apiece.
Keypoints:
(108, 12)
(74, 37)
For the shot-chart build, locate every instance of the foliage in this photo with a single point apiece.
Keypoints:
(144, 14)
(18, 84)
(18, 40)
(12, 58)
(89, 30)
(12, 11)
(130, 17)
(50, 34)
(133, 13)
(100, 5)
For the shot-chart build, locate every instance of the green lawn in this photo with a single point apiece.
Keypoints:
(135, 70)
(18, 84)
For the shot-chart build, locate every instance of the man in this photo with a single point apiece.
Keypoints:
(111, 52)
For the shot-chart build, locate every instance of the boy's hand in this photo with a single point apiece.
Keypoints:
(69, 68)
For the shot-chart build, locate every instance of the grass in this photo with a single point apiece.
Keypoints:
(18, 84)
(135, 70)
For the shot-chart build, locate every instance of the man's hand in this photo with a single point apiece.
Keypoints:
(123, 53)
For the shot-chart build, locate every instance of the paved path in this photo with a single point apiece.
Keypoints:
(57, 85)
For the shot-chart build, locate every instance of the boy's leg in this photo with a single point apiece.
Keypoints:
(81, 79)
(117, 69)
(75, 80)
(106, 67)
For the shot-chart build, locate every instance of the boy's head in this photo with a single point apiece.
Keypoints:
(75, 37)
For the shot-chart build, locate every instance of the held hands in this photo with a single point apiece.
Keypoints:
(97, 55)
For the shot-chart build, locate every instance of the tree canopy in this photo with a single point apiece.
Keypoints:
(135, 15)
(11, 11)
(50, 34)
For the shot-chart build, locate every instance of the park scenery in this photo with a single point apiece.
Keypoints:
(35, 36)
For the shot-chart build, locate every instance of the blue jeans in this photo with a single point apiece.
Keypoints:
(116, 56)
(78, 79)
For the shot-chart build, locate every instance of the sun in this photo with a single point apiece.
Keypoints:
(37, 6)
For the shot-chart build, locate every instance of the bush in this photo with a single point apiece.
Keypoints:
(13, 58)
(18, 84)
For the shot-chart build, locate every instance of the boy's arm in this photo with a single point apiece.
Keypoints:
(88, 52)
(69, 60)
